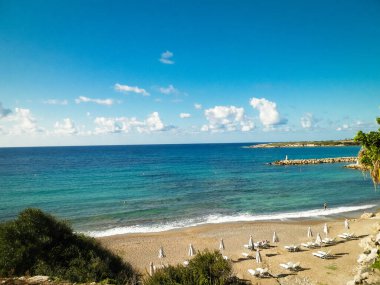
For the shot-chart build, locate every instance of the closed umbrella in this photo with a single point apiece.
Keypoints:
(346, 224)
(275, 237)
(191, 250)
(326, 229)
(161, 254)
(250, 243)
(221, 245)
(318, 240)
(258, 256)
(151, 269)
(309, 232)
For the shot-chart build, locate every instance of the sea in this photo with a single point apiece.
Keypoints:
(108, 190)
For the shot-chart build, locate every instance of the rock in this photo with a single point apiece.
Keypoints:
(367, 215)
(38, 279)
(364, 275)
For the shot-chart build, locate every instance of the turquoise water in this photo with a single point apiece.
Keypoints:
(105, 190)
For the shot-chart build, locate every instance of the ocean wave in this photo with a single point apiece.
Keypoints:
(218, 219)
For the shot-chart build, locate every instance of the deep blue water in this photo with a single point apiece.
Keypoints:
(114, 189)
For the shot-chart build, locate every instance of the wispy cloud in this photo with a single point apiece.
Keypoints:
(169, 90)
(134, 89)
(184, 115)
(227, 118)
(4, 111)
(166, 57)
(268, 114)
(308, 121)
(56, 102)
(83, 99)
(198, 106)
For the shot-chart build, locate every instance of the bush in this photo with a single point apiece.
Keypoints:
(38, 244)
(206, 268)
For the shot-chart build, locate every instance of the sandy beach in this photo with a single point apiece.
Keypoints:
(141, 249)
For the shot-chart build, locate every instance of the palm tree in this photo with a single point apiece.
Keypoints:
(369, 155)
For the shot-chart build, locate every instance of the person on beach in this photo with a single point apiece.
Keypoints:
(325, 206)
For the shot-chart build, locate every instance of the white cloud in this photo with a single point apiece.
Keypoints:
(134, 89)
(268, 114)
(3, 111)
(83, 99)
(166, 57)
(55, 102)
(67, 127)
(168, 90)
(24, 122)
(184, 115)
(198, 106)
(227, 118)
(152, 123)
(308, 121)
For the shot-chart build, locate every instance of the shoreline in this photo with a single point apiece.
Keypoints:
(302, 215)
(142, 248)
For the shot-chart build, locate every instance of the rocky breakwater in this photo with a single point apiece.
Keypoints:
(348, 159)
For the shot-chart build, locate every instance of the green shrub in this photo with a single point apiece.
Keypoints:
(206, 268)
(38, 244)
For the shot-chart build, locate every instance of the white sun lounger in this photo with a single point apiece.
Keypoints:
(246, 255)
(329, 241)
(310, 245)
(292, 248)
(253, 272)
(322, 254)
(347, 236)
(291, 266)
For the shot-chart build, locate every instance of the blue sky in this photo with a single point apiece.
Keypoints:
(143, 72)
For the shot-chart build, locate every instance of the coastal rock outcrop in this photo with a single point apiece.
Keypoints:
(365, 273)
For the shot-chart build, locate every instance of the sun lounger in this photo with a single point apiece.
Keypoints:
(291, 266)
(261, 244)
(253, 272)
(329, 241)
(246, 255)
(263, 272)
(309, 244)
(248, 247)
(347, 236)
(292, 248)
(322, 254)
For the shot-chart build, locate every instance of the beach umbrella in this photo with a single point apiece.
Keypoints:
(318, 240)
(151, 269)
(275, 237)
(250, 243)
(221, 245)
(346, 224)
(326, 229)
(191, 250)
(309, 232)
(258, 256)
(161, 253)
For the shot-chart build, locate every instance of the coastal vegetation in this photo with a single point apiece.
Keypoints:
(329, 143)
(206, 268)
(369, 154)
(36, 243)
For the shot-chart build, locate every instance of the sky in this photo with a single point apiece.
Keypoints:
(95, 72)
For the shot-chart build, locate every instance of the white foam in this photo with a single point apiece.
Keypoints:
(218, 219)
